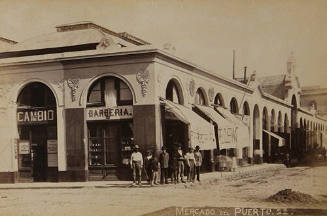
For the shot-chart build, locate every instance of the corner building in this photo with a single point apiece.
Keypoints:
(73, 103)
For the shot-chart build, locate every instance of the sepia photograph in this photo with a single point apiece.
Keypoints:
(163, 108)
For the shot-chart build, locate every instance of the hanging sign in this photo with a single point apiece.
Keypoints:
(24, 147)
(111, 113)
(52, 146)
(52, 160)
(35, 116)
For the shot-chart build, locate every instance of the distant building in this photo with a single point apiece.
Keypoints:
(314, 99)
(74, 102)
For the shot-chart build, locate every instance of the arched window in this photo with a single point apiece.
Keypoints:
(233, 106)
(199, 97)
(246, 108)
(272, 120)
(36, 94)
(219, 100)
(265, 119)
(109, 92)
(172, 92)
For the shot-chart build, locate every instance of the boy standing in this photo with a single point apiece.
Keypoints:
(154, 170)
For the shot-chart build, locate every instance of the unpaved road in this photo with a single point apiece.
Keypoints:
(122, 200)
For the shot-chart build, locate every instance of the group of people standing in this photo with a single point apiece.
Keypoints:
(175, 165)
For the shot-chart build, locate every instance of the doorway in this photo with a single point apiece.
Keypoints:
(33, 153)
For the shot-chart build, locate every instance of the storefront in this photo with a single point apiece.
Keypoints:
(73, 112)
(109, 116)
(186, 128)
(37, 128)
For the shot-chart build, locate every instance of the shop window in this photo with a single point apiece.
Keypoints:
(95, 95)
(125, 95)
(109, 92)
(109, 142)
(199, 97)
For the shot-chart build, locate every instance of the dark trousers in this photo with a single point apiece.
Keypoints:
(137, 172)
(190, 171)
(197, 172)
(164, 175)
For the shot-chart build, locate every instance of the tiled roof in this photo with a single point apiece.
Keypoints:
(273, 85)
(64, 39)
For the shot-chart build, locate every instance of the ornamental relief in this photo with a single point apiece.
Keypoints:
(143, 78)
(191, 87)
(59, 84)
(73, 84)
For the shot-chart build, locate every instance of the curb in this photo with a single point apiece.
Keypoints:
(207, 178)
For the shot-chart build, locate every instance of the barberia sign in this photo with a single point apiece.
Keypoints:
(36, 116)
(111, 113)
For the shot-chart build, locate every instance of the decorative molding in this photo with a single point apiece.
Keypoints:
(60, 84)
(143, 78)
(105, 43)
(73, 84)
(211, 93)
(191, 87)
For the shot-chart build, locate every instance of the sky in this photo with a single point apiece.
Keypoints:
(263, 33)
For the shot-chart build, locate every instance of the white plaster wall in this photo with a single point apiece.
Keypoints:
(13, 80)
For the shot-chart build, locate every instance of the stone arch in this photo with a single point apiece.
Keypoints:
(83, 97)
(246, 108)
(280, 122)
(201, 93)
(219, 100)
(301, 123)
(256, 129)
(286, 124)
(233, 105)
(174, 83)
(273, 120)
(14, 96)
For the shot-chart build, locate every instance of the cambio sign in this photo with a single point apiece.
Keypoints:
(36, 116)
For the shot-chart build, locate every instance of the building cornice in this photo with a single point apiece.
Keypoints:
(67, 56)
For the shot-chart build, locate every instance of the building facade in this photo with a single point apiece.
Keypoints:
(74, 103)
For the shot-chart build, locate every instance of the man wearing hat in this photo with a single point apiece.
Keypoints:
(190, 161)
(180, 164)
(198, 161)
(164, 164)
(137, 165)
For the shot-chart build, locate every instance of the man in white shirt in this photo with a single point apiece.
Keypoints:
(136, 163)
(190, 162)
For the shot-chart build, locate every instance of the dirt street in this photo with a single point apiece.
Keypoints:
(127, 201)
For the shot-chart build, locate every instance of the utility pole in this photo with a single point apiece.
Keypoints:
(233, 64)
(245, 74)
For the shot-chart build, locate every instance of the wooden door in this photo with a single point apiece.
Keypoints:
(112, 149)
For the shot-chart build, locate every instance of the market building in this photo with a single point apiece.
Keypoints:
(73, 103)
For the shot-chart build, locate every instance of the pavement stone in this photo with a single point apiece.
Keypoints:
(205, 177)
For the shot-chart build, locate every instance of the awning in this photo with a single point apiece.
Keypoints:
(242, 130)
(201, 132)
(226, 129)
(281, 140)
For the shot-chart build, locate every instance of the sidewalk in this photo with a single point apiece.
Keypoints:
(241, 172)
